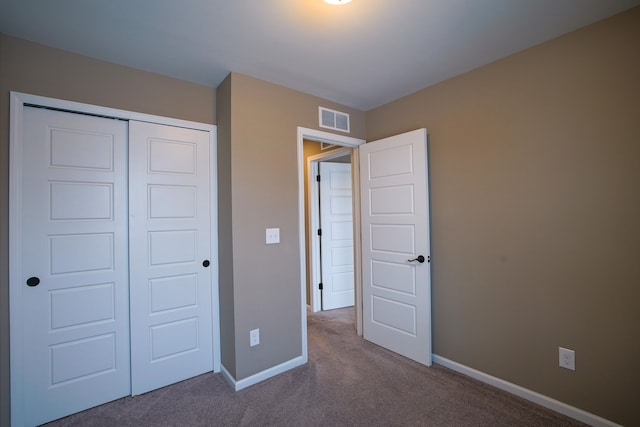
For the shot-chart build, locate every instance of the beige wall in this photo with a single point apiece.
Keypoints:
(39, 70)
(225, 231)
(535, 196)
(264, 193)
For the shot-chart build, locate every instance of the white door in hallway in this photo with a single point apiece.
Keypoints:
(74, 289)
(336, 222)
(395, 244)
(170, 244)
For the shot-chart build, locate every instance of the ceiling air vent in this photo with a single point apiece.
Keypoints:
(331, 119)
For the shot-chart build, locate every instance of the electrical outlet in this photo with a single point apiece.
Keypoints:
(567, 358)
(254, 337)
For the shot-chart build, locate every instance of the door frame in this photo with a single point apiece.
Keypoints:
(16, 120)
(352, 143)
(315, 260)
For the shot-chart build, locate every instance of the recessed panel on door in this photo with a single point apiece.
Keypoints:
(390, 162)
(395, 315)
(341, 256)
(69, 361)
(83, 149)
(392, 200)
(398, 277)
(171, 201)
(340, 205)
(341, 230)
(166, 156)
(172, 247)
(174, 338)
(340, 179)
(398, 238)
(342, 282)
(82, 305)
(81, 201)
(173, 292)
(75, 253)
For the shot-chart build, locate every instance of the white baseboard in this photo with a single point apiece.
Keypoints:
(540, 399)
(227, 376)
(261, 376)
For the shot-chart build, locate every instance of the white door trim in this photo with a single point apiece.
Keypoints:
(346, 141)
(17, 103)
(315, 264)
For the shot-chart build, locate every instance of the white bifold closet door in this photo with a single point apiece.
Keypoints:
(115, 295)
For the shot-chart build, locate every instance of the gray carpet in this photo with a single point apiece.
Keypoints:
(347, 382)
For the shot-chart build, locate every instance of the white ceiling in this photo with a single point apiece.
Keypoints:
(362, 54)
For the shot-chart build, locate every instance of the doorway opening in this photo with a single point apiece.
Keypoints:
(329, 227)
(347, 146)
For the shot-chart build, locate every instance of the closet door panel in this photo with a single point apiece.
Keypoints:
(169, 234)
(74, 263)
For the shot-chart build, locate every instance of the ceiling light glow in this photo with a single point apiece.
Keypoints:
(337, 1)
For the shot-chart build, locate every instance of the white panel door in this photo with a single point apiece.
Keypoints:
(170, 238)
(395, 232)
(74, 255)
(336, 222)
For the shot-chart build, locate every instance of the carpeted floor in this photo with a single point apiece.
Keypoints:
(347, 382)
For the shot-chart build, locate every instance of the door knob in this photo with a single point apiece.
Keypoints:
(205, 263)
(33, 281)
(419, 258)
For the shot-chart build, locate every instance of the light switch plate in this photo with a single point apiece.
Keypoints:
(254, 337)
(273, 236)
